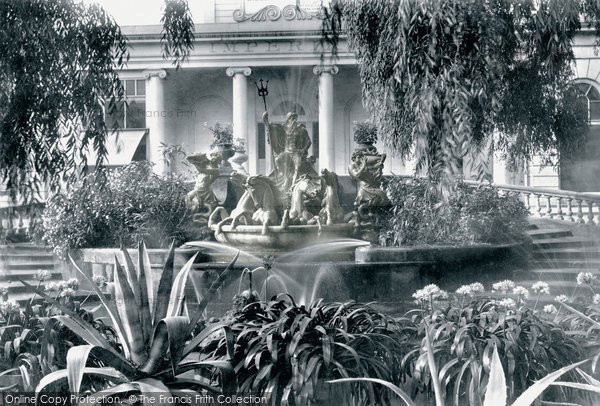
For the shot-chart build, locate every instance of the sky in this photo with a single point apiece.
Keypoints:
(141, 12)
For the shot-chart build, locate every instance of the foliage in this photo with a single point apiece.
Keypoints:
(474, 214)
(58, 65)
(286, 350)
(440, 77)
(152, 335)
(465, 328)
(177, 32)
(365, 132)
(58, 75)
(222, 134)
(131, 204)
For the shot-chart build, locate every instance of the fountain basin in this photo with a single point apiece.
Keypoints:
(279, 238)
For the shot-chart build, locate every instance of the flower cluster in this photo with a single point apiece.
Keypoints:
(430, 292)
(585, 278)
(561, 298)
(550, 309)
(471, 289)
(61, 286)
(43, 275)
(9, 307)
(541, 287)
(507, 303)
(503, 286)
(99, 280)
(521, 292)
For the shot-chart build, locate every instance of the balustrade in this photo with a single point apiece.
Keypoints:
(18, 220)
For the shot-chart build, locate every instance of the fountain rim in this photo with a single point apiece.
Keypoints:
(292, 229)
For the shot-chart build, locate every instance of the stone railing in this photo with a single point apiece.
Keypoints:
(583, 208)
(558, 204)
(16, 220)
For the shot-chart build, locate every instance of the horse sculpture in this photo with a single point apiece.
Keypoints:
(304, 188)
(258, 204)
(331, 211)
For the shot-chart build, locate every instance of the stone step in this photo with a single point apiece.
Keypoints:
(20, 258)
(544, 233)
(32, 266)
(26, 274)
(564, 242)
(564, 263)
(565, 274)
(24, 248)
(567, 253)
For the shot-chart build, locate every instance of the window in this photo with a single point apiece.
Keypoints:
(131, 112)
(591, 97)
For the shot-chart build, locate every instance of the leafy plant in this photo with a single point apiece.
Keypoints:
(365, 132)
(177, 39)
(288, 351)
(462, 331)
(151, 330)
(222, 134)
(127, 206)
(472, 214)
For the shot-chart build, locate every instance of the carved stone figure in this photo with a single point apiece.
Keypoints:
(331, 211)
(371, 201)
(290, 143)
(258, 205)
(201, 200)
(304, 189)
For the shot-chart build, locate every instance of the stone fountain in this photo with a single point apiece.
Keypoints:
(293, 206)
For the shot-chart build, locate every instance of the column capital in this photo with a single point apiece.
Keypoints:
(159, 73)
(232, 71)
(333, 69)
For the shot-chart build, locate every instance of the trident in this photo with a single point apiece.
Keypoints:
(263, 91)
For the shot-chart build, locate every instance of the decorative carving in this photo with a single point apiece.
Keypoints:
(331, 211)
(289, 143)
(274, 13)
(244, 70)
(258, 204)
(332, 69)
(371, 201)
(159, 73)
(201, 201)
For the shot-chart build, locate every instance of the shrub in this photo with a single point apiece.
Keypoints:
(126, 206)
(288, 351)
(465, 327)
(471, 215)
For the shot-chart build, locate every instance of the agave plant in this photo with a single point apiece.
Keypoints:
(288, 351)
(151, 329)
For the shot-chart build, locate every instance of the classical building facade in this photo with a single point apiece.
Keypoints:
(239, 42)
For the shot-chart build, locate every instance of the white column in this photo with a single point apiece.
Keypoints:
(326, 137)
(156, 117)
(240, 102)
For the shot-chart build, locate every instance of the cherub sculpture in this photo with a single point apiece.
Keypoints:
(201, 200)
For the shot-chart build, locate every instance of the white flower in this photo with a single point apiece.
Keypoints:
(61, 285)
(596, 298)
(561, 298)
(99, 280)
(521, 292)
(503, 286)
(464, 290)
(550, 309)
(43, 275)
(430, 292)
(3, 291)
(507, 302)
(67, 292)
(9, 307)
(541, 287)
(50, 287)
(477, 287)
(73, 283)
(585, 277)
